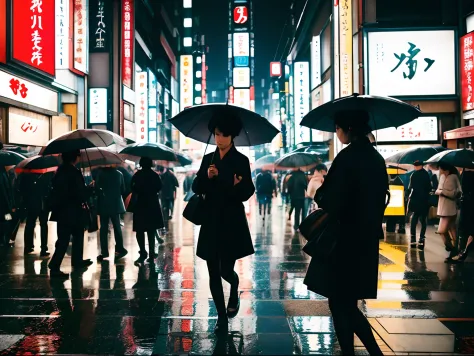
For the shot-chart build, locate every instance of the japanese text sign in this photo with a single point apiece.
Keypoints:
(467, 71)
(128, 40)
(186, 81)
(345, 44)
(34, 34)
(301, 100)
(411, 63)
(80, 38)
(62, 34)
(100, 16)
(27, 128)
(141, 107)
(24, 91)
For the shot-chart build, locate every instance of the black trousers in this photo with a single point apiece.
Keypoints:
(31, 217)
(299, 211)
(219, 268)
(151, 242)
(65, 232)
(423, 218)
(349, 320)
(104, 233)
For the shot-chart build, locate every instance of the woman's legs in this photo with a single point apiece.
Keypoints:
(443, 231)
(229, 275)
(141, 244)
(215, 284)
(453, 231)
(349, 320)
(151, 243)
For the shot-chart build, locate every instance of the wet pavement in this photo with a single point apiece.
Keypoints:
(166, 308)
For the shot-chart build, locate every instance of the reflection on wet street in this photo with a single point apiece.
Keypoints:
(166, 308)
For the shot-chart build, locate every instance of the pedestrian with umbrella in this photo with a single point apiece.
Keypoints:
(225, 180)
(419, 191)
(354, 196)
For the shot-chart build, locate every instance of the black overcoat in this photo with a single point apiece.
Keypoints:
(225, 232)
(354, 194)
(147, 215)
(420, 189)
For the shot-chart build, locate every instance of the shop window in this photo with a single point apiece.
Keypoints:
(128, 112)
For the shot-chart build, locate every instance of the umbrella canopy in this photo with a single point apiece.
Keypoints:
(82, 139)
(194, 122)
(99, 157)
(183, 160)
(384, 112)
(265, 161)
(298, 160)
(461, 158)
(154, 151)
(9, 158)
(38, 162)
(411, 155)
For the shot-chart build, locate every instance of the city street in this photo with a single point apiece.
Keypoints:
(167, 309)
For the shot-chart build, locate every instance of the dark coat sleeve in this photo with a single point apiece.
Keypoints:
(201, 182)
(245, 189)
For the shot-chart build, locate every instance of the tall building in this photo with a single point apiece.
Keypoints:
(241, 60)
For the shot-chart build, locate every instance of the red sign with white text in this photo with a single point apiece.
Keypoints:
(467, 71)
(128, 40)
(34, 34)
(241, 14)
(3, 31)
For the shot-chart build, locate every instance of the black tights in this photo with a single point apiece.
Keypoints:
(349, 320)
(151, 243)
(221, 269)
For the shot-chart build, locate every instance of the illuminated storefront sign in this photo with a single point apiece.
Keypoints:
(467, 71)
(241, 77)
(62, 34)
(186, 81)
(98, 106)
(81, 42)
(241, 15)
(242, 98)
(345, 43)
(128, 40)
(34, 34)
(301, 100)
(141, 107)
(100, 16)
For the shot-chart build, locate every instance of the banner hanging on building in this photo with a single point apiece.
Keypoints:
(80, 38)
(128, 41)
(467, 71)
(141, 107)
(62, 34)
(345, 45)
(186, 81)
(301, 100)
(34, 34)
(100, 25)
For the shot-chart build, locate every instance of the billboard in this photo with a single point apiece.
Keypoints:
(186, 81)
(241, 77)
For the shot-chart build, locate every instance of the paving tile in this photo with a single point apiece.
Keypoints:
(414, 326)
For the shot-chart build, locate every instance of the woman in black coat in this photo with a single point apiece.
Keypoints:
(225, 180)
(147, 215)
(354, 195)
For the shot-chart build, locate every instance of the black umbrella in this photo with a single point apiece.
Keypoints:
(194, 122)
(411, 155)
(39, 162)
(9, 158)
(154, 151)
(461, 158)
(384, 112)
(82, 139)
(298, 160)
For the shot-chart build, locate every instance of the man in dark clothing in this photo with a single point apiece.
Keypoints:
(265, 186)
(419, 203)
(297, 185)
(35, 189)
(168, 191)
(68, 196)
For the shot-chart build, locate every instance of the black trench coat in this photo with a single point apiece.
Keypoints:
(147, 215)
(225, 232)
(354, 193)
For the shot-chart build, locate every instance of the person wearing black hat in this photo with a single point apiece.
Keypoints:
(225, 179)
(419, 191)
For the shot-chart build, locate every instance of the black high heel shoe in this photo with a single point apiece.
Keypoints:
(460, 258)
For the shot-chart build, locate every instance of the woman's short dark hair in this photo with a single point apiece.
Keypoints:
(146, 163)
(448, 167)
(70, 156)
(355, 122)
(321, 167)
(226, 122)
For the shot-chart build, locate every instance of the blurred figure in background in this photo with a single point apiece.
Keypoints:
(315, 183)
(265, 187)
(297, 186)
(35, 190)
(7, 206)
(168, 191)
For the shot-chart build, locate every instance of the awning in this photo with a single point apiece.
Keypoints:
(463, 132)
